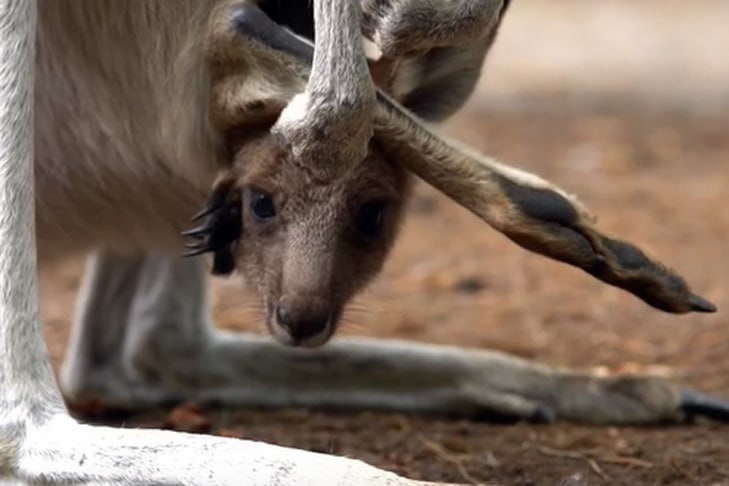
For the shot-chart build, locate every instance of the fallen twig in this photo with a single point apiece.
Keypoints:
(578, 455)
(447, 456)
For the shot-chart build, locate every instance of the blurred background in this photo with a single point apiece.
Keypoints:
(624, 103)
(659, 54)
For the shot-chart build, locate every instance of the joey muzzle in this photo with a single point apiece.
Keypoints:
(304, 319)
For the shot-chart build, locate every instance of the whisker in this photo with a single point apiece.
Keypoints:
(240, 305)
(349, 325)
(366, 305)
(354, 319)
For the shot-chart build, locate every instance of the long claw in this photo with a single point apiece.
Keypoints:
(200, 232)
(196, 245)
(699, 304)
(694, 404)
(195, 252)
(215, 203)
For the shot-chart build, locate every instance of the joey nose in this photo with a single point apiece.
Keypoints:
(301, 324)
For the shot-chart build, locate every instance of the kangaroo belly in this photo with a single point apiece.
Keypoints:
(114, 166)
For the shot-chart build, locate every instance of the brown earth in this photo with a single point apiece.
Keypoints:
(629, 109)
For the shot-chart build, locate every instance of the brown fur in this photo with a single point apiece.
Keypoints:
(310, 254)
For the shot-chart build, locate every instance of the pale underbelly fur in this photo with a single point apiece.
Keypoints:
(117, 164)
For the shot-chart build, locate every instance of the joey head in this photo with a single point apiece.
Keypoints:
(305, 242)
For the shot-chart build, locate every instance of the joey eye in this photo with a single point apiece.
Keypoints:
(261, 206)
(369, 219)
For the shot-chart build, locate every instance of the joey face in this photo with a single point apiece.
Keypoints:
(306, 244)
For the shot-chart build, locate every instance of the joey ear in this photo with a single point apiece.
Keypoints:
(222, 228)
(253, 74)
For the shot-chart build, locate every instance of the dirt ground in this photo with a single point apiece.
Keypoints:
(657, 177)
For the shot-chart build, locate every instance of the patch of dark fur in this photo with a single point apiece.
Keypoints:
(652, 283)
(541, 204)
(630, 257)
(223, 261)
(220, 232)
(296, 15)
(695, 404)
(250, 20)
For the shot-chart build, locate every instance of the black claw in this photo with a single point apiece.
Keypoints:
(199, 232)
(215, 203)
(695, 404)
(204, 212)
(699, 304)
(196, 252)
(201, 245)
(195, 245)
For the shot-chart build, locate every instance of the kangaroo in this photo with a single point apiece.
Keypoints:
(144, 110)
